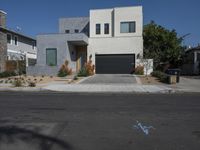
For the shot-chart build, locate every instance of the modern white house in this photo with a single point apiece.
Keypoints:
(112, 38)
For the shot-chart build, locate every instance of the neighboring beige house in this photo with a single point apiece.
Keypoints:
(15, 45)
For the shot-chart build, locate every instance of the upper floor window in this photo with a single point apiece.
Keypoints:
(16, 40)
(9, 38)
(106, 28)
(33, 45)
(98, 28)
(76, 31)
(67, 31)
(127, 27)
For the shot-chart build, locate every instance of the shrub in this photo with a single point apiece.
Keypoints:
(83, 72)
(160, 75)
(64, 70)
(17, 83)
(32, 84)
(139, 70)
(7, 74)
(87, 70)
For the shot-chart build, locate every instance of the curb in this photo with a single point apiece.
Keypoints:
(82, 80)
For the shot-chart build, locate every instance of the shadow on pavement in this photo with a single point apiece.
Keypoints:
(12, 137)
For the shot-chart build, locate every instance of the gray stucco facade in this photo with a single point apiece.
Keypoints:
(80, 23)
(65, 44)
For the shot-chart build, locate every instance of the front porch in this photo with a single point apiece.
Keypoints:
(79, 51)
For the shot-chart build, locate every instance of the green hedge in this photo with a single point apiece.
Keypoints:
(7, 74)
(160, 75)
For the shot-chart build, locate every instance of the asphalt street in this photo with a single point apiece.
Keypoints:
(58, 121)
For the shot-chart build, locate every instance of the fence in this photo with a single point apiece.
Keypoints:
(16, 65)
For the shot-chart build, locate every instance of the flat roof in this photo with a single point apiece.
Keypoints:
(117, 7)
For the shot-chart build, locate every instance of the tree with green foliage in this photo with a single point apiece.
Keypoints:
(162, 45)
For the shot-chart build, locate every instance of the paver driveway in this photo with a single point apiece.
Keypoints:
(110, 79)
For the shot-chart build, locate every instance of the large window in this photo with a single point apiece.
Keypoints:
(51, 56)
(127, 27)
(9, 38)
(106, 28)
(98, 28)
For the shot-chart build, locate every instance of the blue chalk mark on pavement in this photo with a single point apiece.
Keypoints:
(144, 129)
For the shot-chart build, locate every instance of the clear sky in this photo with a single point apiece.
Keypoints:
(41, 16)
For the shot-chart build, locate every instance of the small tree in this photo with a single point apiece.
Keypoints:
(65, 70)
(162, 45)
(88, 69)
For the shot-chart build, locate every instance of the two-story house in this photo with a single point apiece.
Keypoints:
(15, 45)
(112, 38)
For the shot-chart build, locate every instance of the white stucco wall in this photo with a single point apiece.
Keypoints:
(147, 63)
(128, 14)
(115, 45)
(115, 42)
(100, 16)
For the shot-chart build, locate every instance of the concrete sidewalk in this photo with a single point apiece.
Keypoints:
(186, 85)
(108, 88)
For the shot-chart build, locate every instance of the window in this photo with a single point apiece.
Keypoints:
(33, 45)
(127, 27)
(9, 38)
(16, 40)
(51, 56)
(1, 20)
(106, 28)
(67, 31)
(198, 57)
(98, 28)
(76, 31)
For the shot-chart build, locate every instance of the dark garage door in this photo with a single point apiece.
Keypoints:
(115, 64)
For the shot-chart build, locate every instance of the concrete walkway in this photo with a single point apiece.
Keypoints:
(110, 79)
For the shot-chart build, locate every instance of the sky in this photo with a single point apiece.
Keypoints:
(41, 16)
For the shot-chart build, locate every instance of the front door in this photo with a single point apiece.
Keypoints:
(81, 58)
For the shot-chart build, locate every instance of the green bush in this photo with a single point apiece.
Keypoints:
(17, 83)
(64, 70)
(83, 72)
(62, 73)
(160, 75)
(7, 74)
